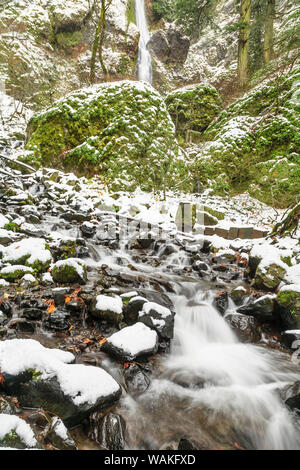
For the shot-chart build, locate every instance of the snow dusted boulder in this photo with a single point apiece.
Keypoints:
(291, 338)
(15, 433)
(159, 318)
(132, 342)
(30, 251)
(271, 269)
(107, 308)
(126, 135)
(45, 378)
(68, 271)
(288, 299)
(15, 272)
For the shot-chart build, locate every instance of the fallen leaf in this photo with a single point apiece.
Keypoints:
(102, 341)
(2, 379)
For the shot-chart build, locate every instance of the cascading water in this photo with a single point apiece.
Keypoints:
(144, 56)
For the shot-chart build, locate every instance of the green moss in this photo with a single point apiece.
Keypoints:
(121, 131)
(193, 108)
(15, 275)
(269, 277)
(290, 300)
(67, 274)
(254, 144)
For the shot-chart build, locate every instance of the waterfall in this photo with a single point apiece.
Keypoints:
(144, 56)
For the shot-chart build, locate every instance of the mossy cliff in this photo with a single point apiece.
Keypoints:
(120, 130)
(254, 144)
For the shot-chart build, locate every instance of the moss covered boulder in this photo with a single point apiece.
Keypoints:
(15, 272)
(193, 108)
(269, 276)
(69, 271)
(120, 130)
(254, 144)
(32, 252)
(288, 298)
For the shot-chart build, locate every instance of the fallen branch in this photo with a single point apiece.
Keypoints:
(17, 162)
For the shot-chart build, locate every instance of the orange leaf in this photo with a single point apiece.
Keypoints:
(51, 309)
(238, 446)
(87, 340)
(127, 364)
(102, 341)
(67, 300)
(2, 379)
(71, 327)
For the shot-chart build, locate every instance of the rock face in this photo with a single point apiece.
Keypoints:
(193, 108)
(117, 129)
(170, 46)
(246, 327)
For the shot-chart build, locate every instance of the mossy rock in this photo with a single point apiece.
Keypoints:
(254, 144)
(68, 272)
(120, 130)
(193, 108)
(14, 273)
(289, 300)
(269, 277)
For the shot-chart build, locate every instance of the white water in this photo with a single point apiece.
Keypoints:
(144, 56)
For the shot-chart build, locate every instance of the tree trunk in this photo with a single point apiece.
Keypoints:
(269, 31)
(99, 42)
(102, 37)
(244, 36)
(289, 224)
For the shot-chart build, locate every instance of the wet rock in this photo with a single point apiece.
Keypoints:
(6, 406)
(136, 380)
(159, 318)
(57, 321)
(88, 229)
(132, 309)
(25, 326)
(263, 309)
(132, 342)
(6, 307)
(3, 319)
(291, 396)
(109, 430)
(159, 45)
(32, 313)
(291, 338)
(187, 444)
(58, 435)
(246, 327)
(238, 294)
(221, 302)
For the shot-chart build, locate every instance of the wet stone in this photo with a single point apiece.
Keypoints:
(136, 380)
(109, 430)
(57, 321)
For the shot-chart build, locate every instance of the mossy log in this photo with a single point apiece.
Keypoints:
(289, 223)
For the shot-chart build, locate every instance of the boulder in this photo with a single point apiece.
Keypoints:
(246, 327)
(69, 271)
(159, 318)
(268, 276)
(109, 430)
(45, 378)
(132, 342)
(107, 308)
(125, 130)
(263, 308)
(288, 299)
(136, 380)
(30, 252)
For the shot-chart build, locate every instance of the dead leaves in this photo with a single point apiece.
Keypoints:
(74, 296)
(2, 379)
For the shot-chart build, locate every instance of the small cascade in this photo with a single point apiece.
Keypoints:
(144, 56)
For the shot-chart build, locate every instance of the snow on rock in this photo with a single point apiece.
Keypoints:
(132, 342)
(70, 390)
(109, 308)
(15, 272)
(30, 251)
(68, 271)
(13, 428)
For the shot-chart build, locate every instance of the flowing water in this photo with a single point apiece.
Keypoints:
(211, 388)
(144, 56)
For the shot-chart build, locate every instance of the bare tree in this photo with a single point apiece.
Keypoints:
(244, 37)
(99, 40)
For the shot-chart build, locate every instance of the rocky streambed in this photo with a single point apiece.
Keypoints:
(115, 337)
